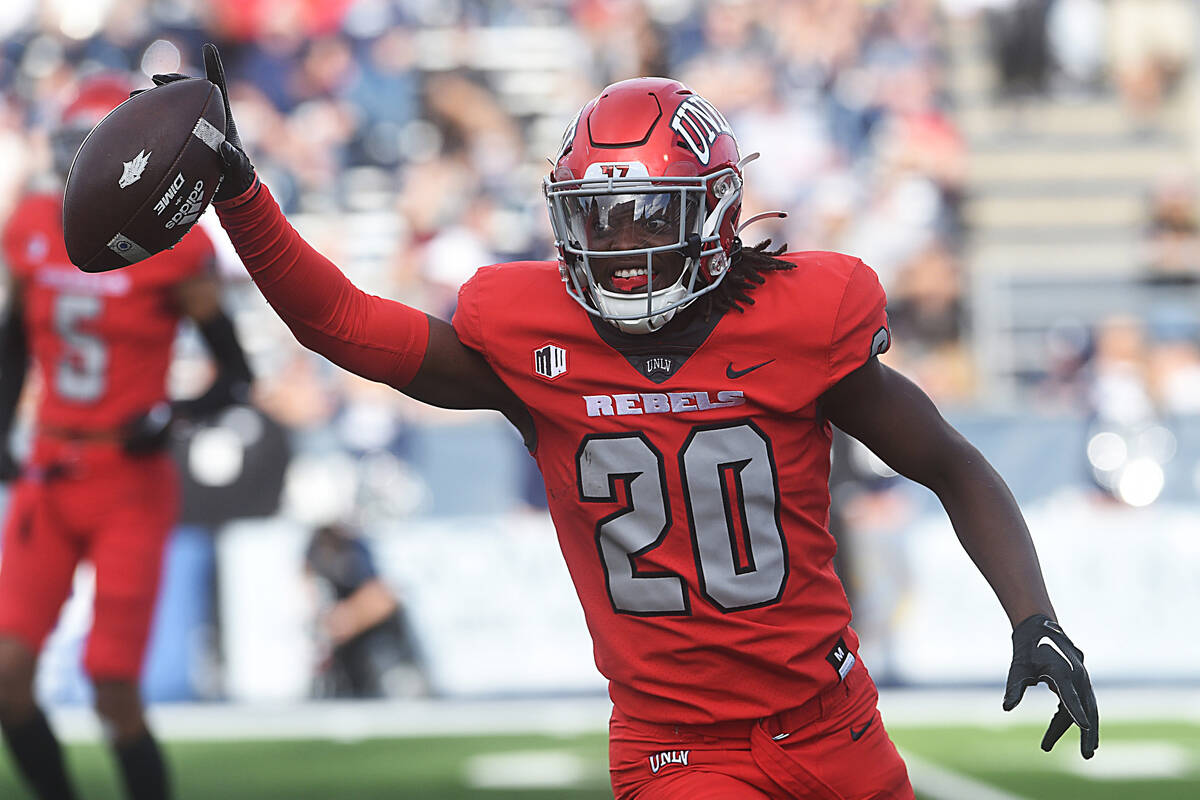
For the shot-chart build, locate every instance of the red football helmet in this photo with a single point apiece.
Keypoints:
(644, 201)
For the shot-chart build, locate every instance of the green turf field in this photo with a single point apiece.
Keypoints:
(1145, 761)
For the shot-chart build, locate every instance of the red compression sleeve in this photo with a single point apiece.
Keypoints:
(370, 336)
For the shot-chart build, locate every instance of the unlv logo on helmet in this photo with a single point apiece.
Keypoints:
(698, 124)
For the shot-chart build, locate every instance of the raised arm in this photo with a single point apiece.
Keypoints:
(895, 419)
(374, 337)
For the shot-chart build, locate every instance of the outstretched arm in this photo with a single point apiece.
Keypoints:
(895, 419)
(379, 339)
(370, 336)
(889, 414)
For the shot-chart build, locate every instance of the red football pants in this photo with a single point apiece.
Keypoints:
(92, 502)
(833, 747)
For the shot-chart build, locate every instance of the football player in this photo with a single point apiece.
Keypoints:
(98, 483)
(677, 389)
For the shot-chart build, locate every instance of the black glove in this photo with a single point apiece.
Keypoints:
(148, 432)
(1043, 653)
(239, 172)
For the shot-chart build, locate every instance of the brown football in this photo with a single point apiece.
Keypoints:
(144, 175)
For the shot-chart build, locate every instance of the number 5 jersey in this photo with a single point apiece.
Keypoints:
(687, 475)
(102, 341)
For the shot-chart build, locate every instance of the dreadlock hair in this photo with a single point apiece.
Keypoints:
(748, 270)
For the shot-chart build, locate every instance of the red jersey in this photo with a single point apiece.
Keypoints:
(102, 341)
(687, 470)
(687, 473)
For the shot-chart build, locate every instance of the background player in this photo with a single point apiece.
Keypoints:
(678, 401)
(98, 484)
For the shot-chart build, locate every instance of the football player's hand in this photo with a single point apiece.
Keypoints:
(1043, 653)
(148, 432)
(239, 172)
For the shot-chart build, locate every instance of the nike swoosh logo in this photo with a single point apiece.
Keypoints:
(734, 374)
(856, 735)
(1055, 648)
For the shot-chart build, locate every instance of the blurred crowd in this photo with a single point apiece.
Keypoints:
(407, 139)
(422, 128)
(1142, 47)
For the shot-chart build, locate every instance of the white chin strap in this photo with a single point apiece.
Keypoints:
(613, 305)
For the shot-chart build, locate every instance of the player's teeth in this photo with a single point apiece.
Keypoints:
(629, 273)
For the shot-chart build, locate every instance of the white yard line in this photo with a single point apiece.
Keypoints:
(939, 783)
(351, 721)
(356, 720)
(530, 769)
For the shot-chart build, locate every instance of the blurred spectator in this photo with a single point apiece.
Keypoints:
(1020, 45)
(456, 251)
(1120, 385)
(295, 395)
(1152, 43)
(273, 60)
(1174, 360)
(1076, 29)
(925, 304)
(254, 19)
(1173, 236)
(1068, 348)
(624, 40)
(369, 649)
(385, 92)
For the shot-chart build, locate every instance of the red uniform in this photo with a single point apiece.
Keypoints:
(102, 343)
(691, 498)
(687, 475)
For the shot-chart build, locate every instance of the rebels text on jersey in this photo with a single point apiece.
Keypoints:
(687, 475)
(102, 341)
